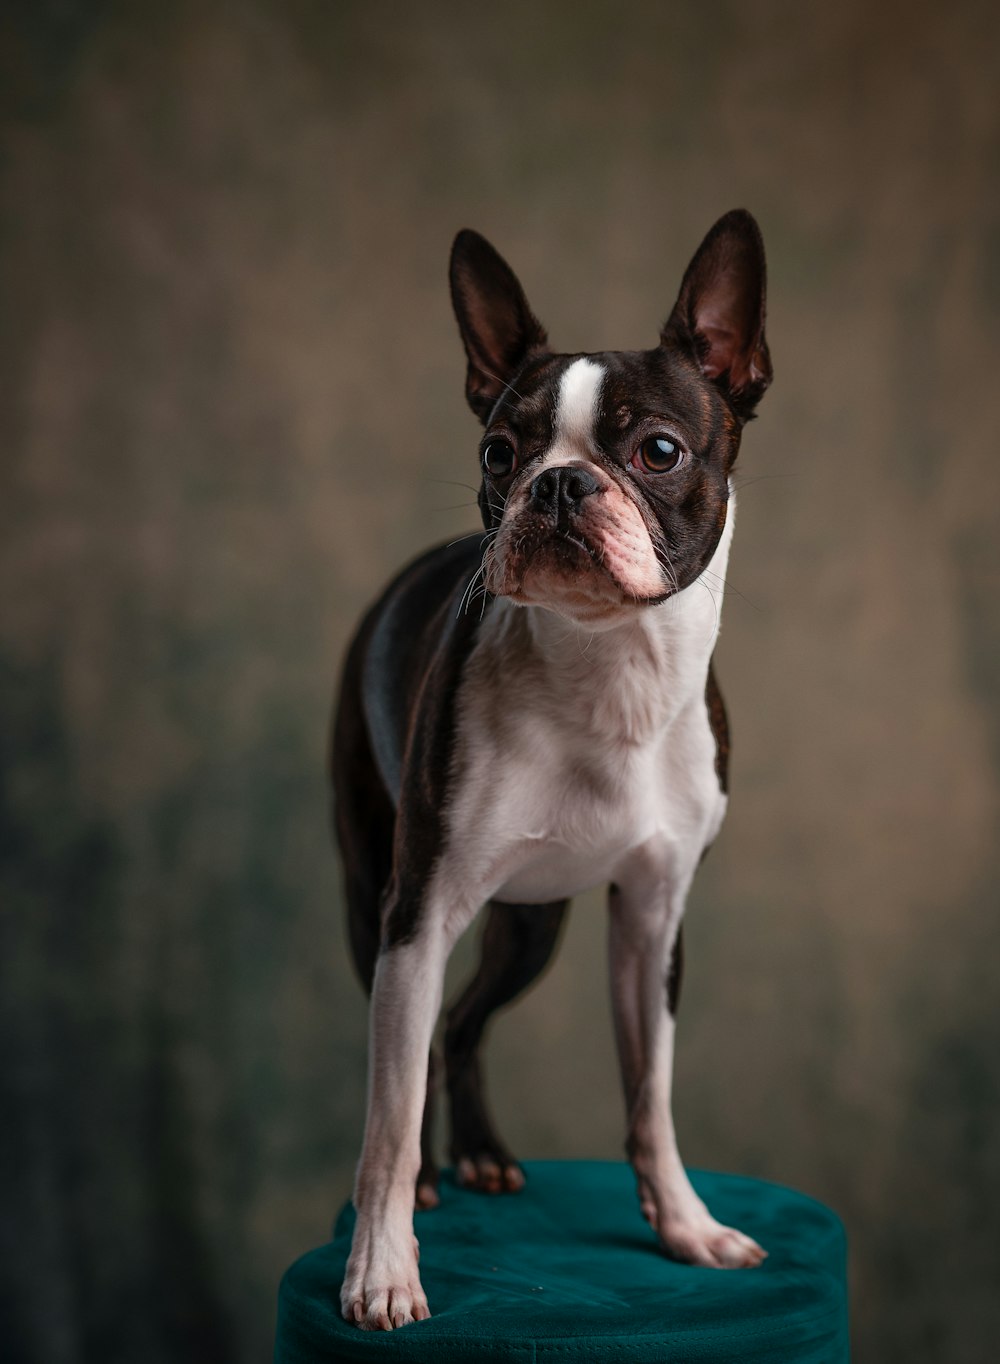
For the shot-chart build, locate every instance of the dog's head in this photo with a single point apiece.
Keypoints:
(606, 476)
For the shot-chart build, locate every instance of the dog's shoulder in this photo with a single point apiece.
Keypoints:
(417, 635)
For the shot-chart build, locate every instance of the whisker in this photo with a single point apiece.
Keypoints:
(506, 387)
(471, 535)
(463, 605)
(715, 600)
(453, 483)
(663, 558)
(741, 483)
(730, 588)
(472, 592)
(481, 593)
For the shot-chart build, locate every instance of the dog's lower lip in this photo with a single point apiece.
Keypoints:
(575, 540)
(562, 540)
(558, 539)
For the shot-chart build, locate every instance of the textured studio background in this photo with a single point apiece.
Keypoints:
(232, 403)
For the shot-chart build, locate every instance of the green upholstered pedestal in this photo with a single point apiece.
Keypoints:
(568, 1270)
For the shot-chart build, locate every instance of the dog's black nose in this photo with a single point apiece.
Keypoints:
(563, 488)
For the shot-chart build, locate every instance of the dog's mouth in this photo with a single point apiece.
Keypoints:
(597, 558)
(564, 543)
(542, 548)
(559, 567)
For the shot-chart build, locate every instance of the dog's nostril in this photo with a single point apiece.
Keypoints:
(545, 488)
(564, 487)
(577, 484)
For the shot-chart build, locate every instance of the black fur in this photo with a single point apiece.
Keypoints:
(675, 974)
(719, 721)
(393, 736)
(399, 687)
(517, 944)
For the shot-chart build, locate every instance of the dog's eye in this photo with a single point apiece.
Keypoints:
(499, 459)
(658, 455)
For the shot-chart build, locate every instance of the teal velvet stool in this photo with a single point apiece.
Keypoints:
(568, 1270)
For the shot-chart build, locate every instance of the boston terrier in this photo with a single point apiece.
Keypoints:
(532, 711)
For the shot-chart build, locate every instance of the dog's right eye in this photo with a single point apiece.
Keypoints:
(499, 459)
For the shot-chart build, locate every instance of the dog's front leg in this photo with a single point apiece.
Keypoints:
(382, 1285)
(643, 932)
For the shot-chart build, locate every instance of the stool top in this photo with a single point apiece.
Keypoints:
(569, 1270)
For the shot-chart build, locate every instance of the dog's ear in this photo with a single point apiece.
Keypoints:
(719, 313)
(498, 328)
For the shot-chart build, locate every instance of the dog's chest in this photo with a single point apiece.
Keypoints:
(594, 770)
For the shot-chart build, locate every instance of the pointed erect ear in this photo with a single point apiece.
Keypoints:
(720, 311)
(498, 328)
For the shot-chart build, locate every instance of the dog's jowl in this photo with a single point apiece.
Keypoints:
(532, 711)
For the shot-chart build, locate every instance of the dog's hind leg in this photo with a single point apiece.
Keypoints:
(517, 944)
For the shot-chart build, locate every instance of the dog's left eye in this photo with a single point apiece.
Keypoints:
(499, 459)
(657, 455)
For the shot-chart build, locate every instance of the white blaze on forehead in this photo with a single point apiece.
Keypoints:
(576, 409)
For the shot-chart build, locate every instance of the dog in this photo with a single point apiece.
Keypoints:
(532, 711)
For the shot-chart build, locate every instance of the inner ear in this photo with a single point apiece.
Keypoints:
(720, 310)
(499, 330)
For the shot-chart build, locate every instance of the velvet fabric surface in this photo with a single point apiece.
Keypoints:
(568, 1269)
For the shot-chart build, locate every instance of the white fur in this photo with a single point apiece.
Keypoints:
(381, 1287)
(594, 758)
(581, 758)
(577, 405)
(587, 759)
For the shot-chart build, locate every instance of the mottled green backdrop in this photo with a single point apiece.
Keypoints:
(232, 402)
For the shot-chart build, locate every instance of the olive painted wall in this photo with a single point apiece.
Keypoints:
(232, 403)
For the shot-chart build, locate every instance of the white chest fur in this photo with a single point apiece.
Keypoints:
(585, 758)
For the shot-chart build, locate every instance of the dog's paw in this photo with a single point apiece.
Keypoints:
(708, 1243)
(426, 1194)
(489, 1172)
(382, 1292)
(385, 1308)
